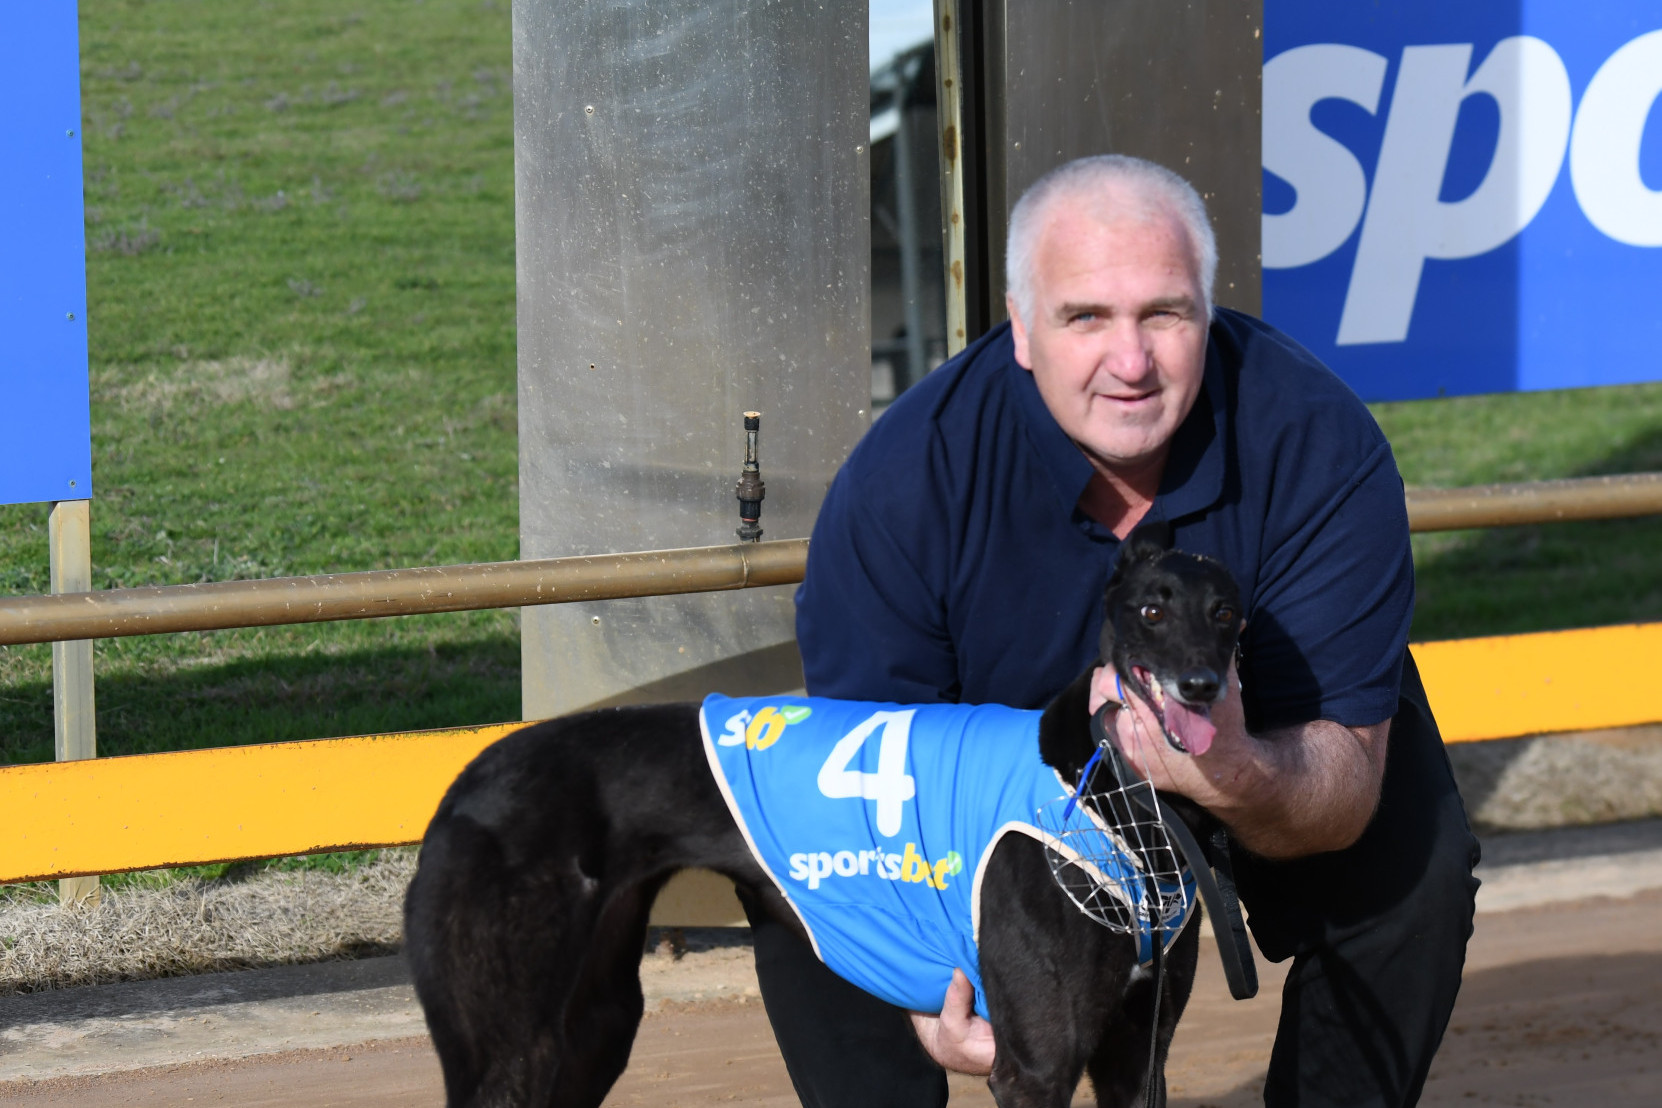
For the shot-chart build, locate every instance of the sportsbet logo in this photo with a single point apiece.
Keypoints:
(762, 730)
(909, 866)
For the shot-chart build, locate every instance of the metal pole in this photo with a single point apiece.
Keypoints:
(1581, 498)
(399, 592)
(949, 116)
(906, 206)
(74, 719)
(402, 592)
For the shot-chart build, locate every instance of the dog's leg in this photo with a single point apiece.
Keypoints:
(1119, 1067)
(606, 1003)
(1054, 979)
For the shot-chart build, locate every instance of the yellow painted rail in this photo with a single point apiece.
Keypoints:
(192, 807)
(1510, 685)
(105, 815)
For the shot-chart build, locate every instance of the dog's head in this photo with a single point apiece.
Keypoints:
(1171, 626)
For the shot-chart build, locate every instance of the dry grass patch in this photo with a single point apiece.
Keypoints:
(192, 925)
(198, 384)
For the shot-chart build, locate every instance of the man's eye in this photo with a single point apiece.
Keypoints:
(1153, 613)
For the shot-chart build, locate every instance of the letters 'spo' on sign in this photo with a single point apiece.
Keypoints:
(45, 429)
(1465, 198)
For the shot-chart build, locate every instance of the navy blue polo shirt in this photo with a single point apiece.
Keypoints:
(951, 562)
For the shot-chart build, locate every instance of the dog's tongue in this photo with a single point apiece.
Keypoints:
(1193, 727)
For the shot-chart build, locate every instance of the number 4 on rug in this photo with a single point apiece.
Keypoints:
(891, 786)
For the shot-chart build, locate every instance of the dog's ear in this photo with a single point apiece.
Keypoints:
(1147, 542)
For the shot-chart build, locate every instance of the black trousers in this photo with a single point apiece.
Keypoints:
(1376, 933)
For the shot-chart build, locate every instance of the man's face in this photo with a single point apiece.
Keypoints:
(1117, 338)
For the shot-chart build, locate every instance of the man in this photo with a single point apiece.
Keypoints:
(962, 554)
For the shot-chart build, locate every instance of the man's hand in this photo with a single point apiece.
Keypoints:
(1290, 793)
(957, 1039)
(1215, 780)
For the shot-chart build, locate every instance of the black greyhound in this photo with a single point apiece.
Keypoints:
(527, 918)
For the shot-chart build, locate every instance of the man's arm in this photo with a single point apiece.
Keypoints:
(1287, 793)
(869, 616)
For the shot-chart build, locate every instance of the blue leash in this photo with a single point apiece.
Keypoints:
(1084, 778)
(1099, 729)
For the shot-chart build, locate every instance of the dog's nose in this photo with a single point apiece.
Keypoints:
(1199, 686)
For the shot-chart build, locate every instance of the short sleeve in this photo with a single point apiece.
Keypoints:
(871, 611)
(1333, 604)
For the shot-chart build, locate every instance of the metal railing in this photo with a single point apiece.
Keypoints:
(1581, 498)
(113, 613)
(275, 601)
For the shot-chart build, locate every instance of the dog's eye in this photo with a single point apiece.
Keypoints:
(1224, 614)
(1153, 613)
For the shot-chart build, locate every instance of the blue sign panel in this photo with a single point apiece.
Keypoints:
(45, 429)
(1464, 198)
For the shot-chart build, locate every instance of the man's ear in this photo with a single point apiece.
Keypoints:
(1018, 332)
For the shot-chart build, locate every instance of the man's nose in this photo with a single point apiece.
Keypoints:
(1126, 353)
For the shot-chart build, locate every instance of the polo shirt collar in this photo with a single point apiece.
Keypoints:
(1058, 457)
(1194, 473)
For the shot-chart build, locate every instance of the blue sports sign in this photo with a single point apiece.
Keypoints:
(45, 426)
(1465, 198)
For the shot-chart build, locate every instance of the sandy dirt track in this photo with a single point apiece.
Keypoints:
(1562, 1005)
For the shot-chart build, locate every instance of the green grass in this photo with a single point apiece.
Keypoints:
(1536, 578)
(301, 310)
(300, 268)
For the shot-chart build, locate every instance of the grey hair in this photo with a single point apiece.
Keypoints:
(1153, 190)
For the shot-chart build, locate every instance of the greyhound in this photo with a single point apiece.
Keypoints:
(526, 922)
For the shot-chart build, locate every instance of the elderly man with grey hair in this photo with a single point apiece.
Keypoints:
(962, 553)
